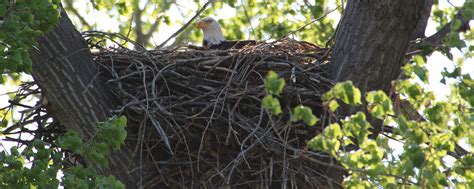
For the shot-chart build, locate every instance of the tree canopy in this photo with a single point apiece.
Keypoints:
(409, 136)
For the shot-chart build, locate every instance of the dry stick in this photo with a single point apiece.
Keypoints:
(185, 25)
(94, 33)
(263, 139)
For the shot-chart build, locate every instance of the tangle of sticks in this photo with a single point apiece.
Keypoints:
(197, 118)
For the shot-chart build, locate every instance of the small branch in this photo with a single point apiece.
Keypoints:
(185, 25)
(412, 114)
(342, 7)
(436, 39)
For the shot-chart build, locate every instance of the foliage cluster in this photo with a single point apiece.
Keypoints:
(409, 152)
(38, 164)
(21, 22)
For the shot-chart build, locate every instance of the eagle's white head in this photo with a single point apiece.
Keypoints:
(212, 31)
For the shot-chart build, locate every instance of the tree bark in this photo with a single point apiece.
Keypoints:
(371, 42)
(420, 28)
(370, 46)
(64, 69)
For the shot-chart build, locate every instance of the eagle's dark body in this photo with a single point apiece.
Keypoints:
(224, 45)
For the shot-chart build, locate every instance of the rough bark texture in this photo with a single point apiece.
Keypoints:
(63, 68)
(371, 41)
(370, 45)
(419, 31)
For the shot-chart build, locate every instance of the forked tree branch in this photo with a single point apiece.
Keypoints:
(437, 38)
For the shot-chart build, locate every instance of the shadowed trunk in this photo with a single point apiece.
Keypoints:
(64, 69)
(370, 45)
(371, 42)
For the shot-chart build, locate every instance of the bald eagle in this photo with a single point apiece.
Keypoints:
(214, 39)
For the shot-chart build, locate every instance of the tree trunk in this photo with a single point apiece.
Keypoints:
(370, 45)
(64, 70)
(371, 42)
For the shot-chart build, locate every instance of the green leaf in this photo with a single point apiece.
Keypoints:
(273, 84)
(455, 41)
(333, 105)
(357, 126)
(380, 104)
(456, 24)
(346, 92)
(316, 143)
(443, 141)
(333, 131)
(328, 141)
(416, 155)
(414, 91)
(305, 114)
(71, 141)
(422, 73)
(272, 104)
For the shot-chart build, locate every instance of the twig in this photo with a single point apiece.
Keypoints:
(185, 25)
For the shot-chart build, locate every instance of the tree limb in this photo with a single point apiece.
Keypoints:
(406, 109)
(437, 38)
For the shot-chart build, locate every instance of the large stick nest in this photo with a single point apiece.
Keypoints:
(197, 119)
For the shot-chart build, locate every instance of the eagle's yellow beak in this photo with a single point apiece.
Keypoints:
(201, 24)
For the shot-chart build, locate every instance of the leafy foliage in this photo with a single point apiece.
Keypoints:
(274, 86)
(38, 164)
(344, 91)
(425, 145)
(20, 23)
(305, 114)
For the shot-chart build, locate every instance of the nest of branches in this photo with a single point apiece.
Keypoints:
(197, 118)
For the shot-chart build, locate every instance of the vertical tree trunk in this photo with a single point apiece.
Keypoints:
(371, 41)
(64, 69)
(370, 45)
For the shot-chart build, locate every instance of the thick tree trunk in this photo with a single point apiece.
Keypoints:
(371, 41)
(64, 69)
(370, 45)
